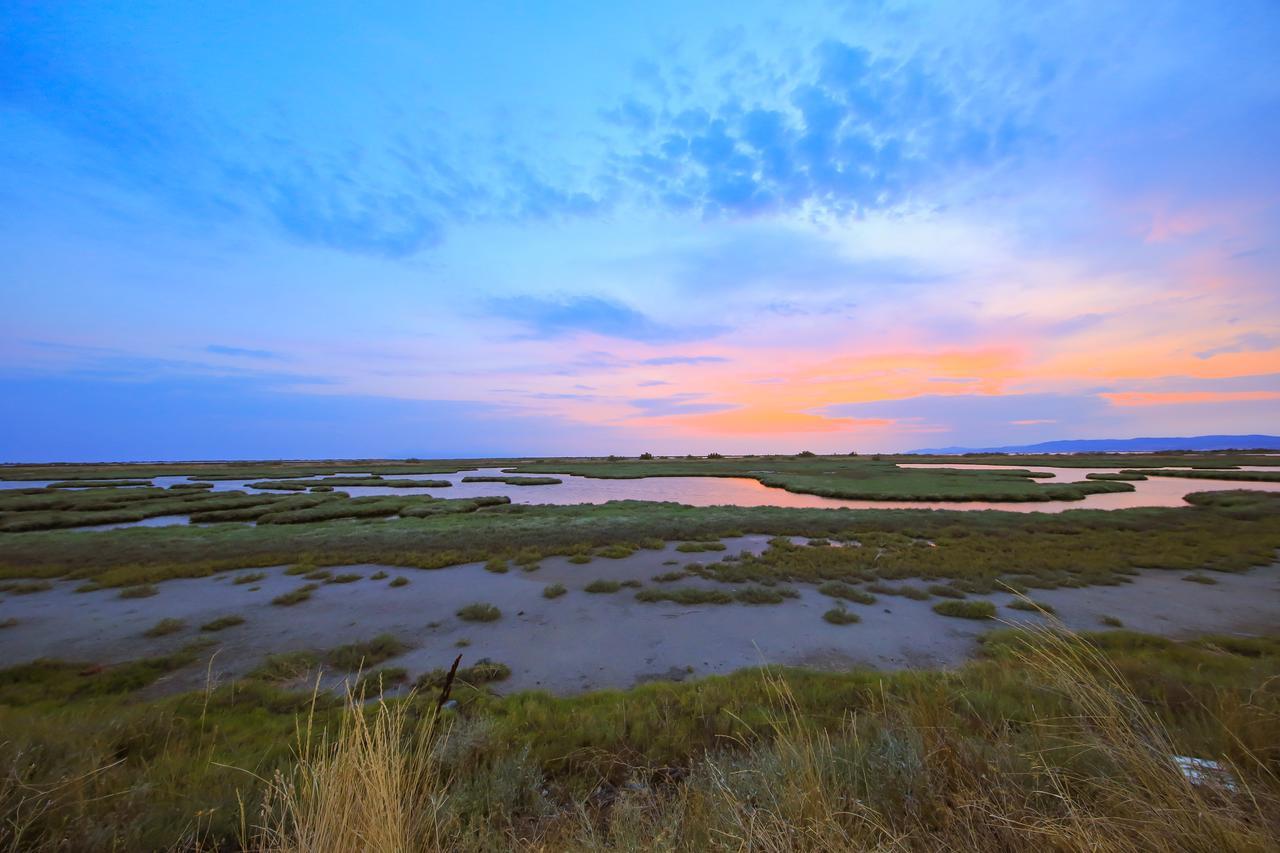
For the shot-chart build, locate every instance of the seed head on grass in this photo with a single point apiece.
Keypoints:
(483, 671)
(555, 590)
(841, 616)
(966, 609)
(222, 622)
(479, 612)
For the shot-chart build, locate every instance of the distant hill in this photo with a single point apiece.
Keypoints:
(1129, 445)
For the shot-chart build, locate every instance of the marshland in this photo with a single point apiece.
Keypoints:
(617, 657)
(791, 427)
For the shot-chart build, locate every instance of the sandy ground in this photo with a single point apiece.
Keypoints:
(584, 641)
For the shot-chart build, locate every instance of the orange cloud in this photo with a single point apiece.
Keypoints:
(761, 421)
(1170, 398)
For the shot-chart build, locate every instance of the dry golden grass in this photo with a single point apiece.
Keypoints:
(902, 775)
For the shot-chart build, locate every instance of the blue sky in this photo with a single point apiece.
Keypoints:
(261, 230)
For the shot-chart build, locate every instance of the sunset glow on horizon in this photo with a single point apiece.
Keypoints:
(424, 230)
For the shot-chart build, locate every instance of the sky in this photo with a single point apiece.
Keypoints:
(260, 230)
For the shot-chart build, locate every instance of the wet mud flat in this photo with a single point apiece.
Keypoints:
(583, 641)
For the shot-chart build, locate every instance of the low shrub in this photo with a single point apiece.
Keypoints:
(966, 609)
(841, 616)
(479, 612)
(222, 622)
(164, 627)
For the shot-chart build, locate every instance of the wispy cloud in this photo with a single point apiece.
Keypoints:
(552, 317)
(1250, 342)
(241, 352)
(676, 405)
(662, 361)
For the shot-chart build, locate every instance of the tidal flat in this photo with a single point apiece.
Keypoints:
(155, 677)
(582, 641)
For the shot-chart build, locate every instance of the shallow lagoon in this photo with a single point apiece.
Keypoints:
(733, 491)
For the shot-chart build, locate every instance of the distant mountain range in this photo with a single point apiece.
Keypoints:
(1122, 445)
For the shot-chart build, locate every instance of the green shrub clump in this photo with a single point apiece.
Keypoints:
(479, 612)
(966, 609)
(841, 616)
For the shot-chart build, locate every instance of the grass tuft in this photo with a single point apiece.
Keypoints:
(296, 596)
(164, 627)
(841, 616)
(966, 609)
(222, 622)
(479, 612)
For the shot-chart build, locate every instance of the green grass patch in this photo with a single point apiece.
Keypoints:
(287, 666)
(602, 586)
(222, 623)
(249, 577)
(515, 480)
(479, 612)
(1197, 577)
(554, 590)
(685, 595)
(1031, 606)
(164, 628)
(839, 589)
(966, 609)
(25, 587)
(483, 671)
(144, 590)
(399, 580)
(380, 680)
(841, 616)
(296, 596)
(698, 547)
(905, 590)
(367, 653)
